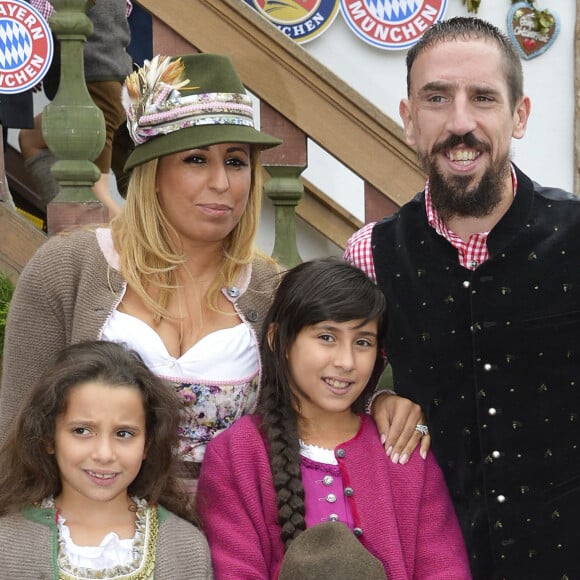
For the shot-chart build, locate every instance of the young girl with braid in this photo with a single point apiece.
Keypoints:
(311, 455)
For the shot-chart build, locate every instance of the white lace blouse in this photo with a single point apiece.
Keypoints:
(112, 551)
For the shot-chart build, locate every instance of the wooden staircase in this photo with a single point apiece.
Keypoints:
(303, 95)
(19, 239)
(300, 89)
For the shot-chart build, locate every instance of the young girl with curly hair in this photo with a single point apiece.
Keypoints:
(86, 472)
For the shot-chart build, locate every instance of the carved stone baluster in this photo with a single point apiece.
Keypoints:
(72, 125)
(285, 165)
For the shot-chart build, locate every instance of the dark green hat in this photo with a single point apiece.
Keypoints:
(183, 102)
(328, 551)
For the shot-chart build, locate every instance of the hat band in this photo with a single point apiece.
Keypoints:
(175, 113)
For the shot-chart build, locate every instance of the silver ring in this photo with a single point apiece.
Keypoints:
(423, 429)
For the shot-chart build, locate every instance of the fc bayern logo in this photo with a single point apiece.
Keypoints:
(301, 20)
(392, 24)
(26, 46)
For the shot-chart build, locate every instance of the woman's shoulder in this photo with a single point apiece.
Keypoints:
(265, 277)
(73, 237)
(64, 246)
(62, 256)
(265, 270)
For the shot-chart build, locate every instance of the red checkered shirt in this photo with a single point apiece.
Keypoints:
(471, 253)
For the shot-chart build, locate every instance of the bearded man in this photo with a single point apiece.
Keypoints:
(482, 280)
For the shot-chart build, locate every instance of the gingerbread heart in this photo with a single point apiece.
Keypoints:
(529, 42)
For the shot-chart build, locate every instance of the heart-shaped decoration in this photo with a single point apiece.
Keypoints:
(529, 42)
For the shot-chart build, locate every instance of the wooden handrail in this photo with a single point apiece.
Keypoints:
(326, 216)
(19, 239)
(282, 73)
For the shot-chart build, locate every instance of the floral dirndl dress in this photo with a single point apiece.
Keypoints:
(209, 408)
(217, 380)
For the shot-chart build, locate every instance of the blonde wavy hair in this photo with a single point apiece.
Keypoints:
(148, 257)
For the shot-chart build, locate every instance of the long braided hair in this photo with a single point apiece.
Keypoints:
(314, 291)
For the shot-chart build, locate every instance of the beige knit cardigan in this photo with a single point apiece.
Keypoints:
(29, 547)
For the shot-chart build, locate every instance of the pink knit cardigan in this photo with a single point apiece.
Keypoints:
(405, 512)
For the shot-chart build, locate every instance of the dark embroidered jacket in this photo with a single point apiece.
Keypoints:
(493, 357)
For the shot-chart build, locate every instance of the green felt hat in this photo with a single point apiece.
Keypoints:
(327, 551)
(184, 102)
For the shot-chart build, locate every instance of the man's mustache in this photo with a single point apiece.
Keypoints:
(468, 140)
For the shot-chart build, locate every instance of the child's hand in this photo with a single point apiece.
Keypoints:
(396, 419)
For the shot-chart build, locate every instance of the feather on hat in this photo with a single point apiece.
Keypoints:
(167, 113)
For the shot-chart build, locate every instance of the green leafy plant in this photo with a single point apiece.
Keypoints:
(6, 291)
(543, 19)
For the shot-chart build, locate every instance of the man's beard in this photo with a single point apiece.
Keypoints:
(453, 195)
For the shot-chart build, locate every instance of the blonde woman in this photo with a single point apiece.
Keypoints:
(177, 276)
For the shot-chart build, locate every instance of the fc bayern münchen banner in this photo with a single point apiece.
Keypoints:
(26, 46)
(301, 20)
(384, 24)
(391, 24)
